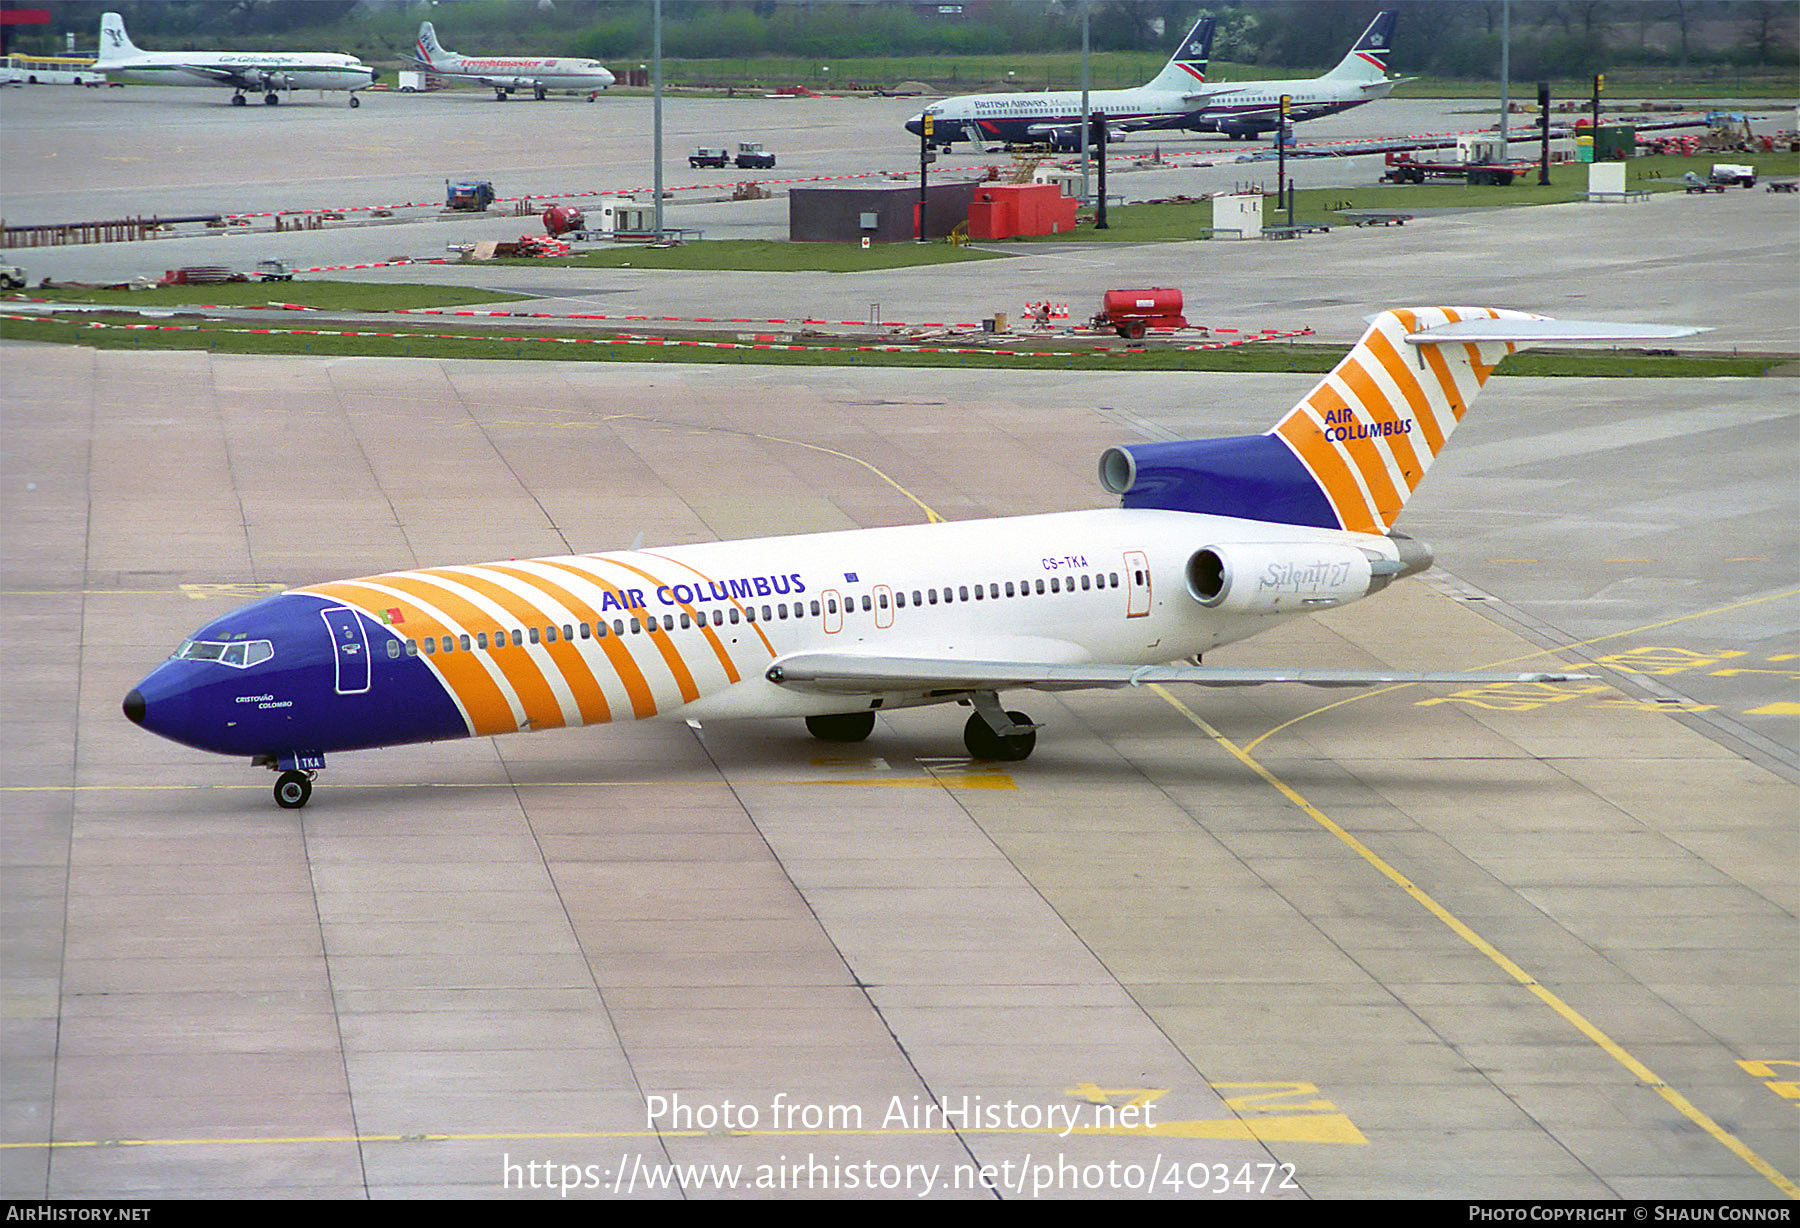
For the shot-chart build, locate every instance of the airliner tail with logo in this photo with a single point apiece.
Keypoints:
(1360, 77)
(1180, 97)
(269, 73)
(1213, 541)
(1170, 100)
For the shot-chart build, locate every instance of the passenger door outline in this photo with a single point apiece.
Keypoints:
(349, 649)
(1137, 584)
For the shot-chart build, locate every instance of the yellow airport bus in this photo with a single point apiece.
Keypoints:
(49, 70)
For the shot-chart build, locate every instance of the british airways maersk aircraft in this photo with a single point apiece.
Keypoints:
(1170, 100)
(1215, 541)
(1178, 98)
(1361, 76)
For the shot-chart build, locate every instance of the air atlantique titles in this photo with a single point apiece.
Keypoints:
(902, 1113)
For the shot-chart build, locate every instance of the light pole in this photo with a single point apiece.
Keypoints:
(656, 88)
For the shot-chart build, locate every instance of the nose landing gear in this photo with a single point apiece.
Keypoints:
(293, 788)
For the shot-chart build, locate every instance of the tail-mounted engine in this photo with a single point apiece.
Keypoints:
(1293, 577)
(1251, 477)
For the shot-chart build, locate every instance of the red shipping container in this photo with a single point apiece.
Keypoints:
(1001, 211)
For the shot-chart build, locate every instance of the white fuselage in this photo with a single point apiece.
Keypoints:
(1028, 117)
(525, 72)
(1066, 588)
(243, 70)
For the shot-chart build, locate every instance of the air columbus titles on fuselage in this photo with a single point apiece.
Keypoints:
(742, 589)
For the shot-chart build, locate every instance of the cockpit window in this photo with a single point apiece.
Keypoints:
(239, 654)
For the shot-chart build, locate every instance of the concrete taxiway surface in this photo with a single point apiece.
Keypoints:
(1484, 943)
(1413, 943)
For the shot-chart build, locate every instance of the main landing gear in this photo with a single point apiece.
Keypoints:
(992, 733)
(841, 726)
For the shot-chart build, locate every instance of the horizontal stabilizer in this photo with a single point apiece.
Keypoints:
(845, 674)
(1527, 331)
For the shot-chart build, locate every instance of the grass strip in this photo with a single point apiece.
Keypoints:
(324, 295)
(768, 256)
(1049, 354)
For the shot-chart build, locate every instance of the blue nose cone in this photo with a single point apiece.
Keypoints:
(164, 704)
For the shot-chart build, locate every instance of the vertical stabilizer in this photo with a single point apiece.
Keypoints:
(1186, 69)
(1367, 59)
(115, 44)
(1351, 453)
(430, 50)
(1371, 428)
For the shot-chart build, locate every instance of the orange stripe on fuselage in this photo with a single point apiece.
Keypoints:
(712, 635)
(671, 654)
(590, 698)
(536, 700)
(637, 686)
(484, 705)
(542, 707)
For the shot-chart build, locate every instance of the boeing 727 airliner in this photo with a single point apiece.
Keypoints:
(1216, 540)
(242, 72)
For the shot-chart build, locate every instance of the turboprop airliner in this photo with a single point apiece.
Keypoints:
(243, 72)
(1171, 100)
(504, 74)
(1215, 540)
(1360, 77)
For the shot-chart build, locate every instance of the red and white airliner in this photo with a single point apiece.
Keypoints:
(505, 73)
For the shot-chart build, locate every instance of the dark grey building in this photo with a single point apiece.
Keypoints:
(884, 215)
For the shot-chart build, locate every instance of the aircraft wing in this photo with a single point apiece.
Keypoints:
(227, 76)
(851, 674)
